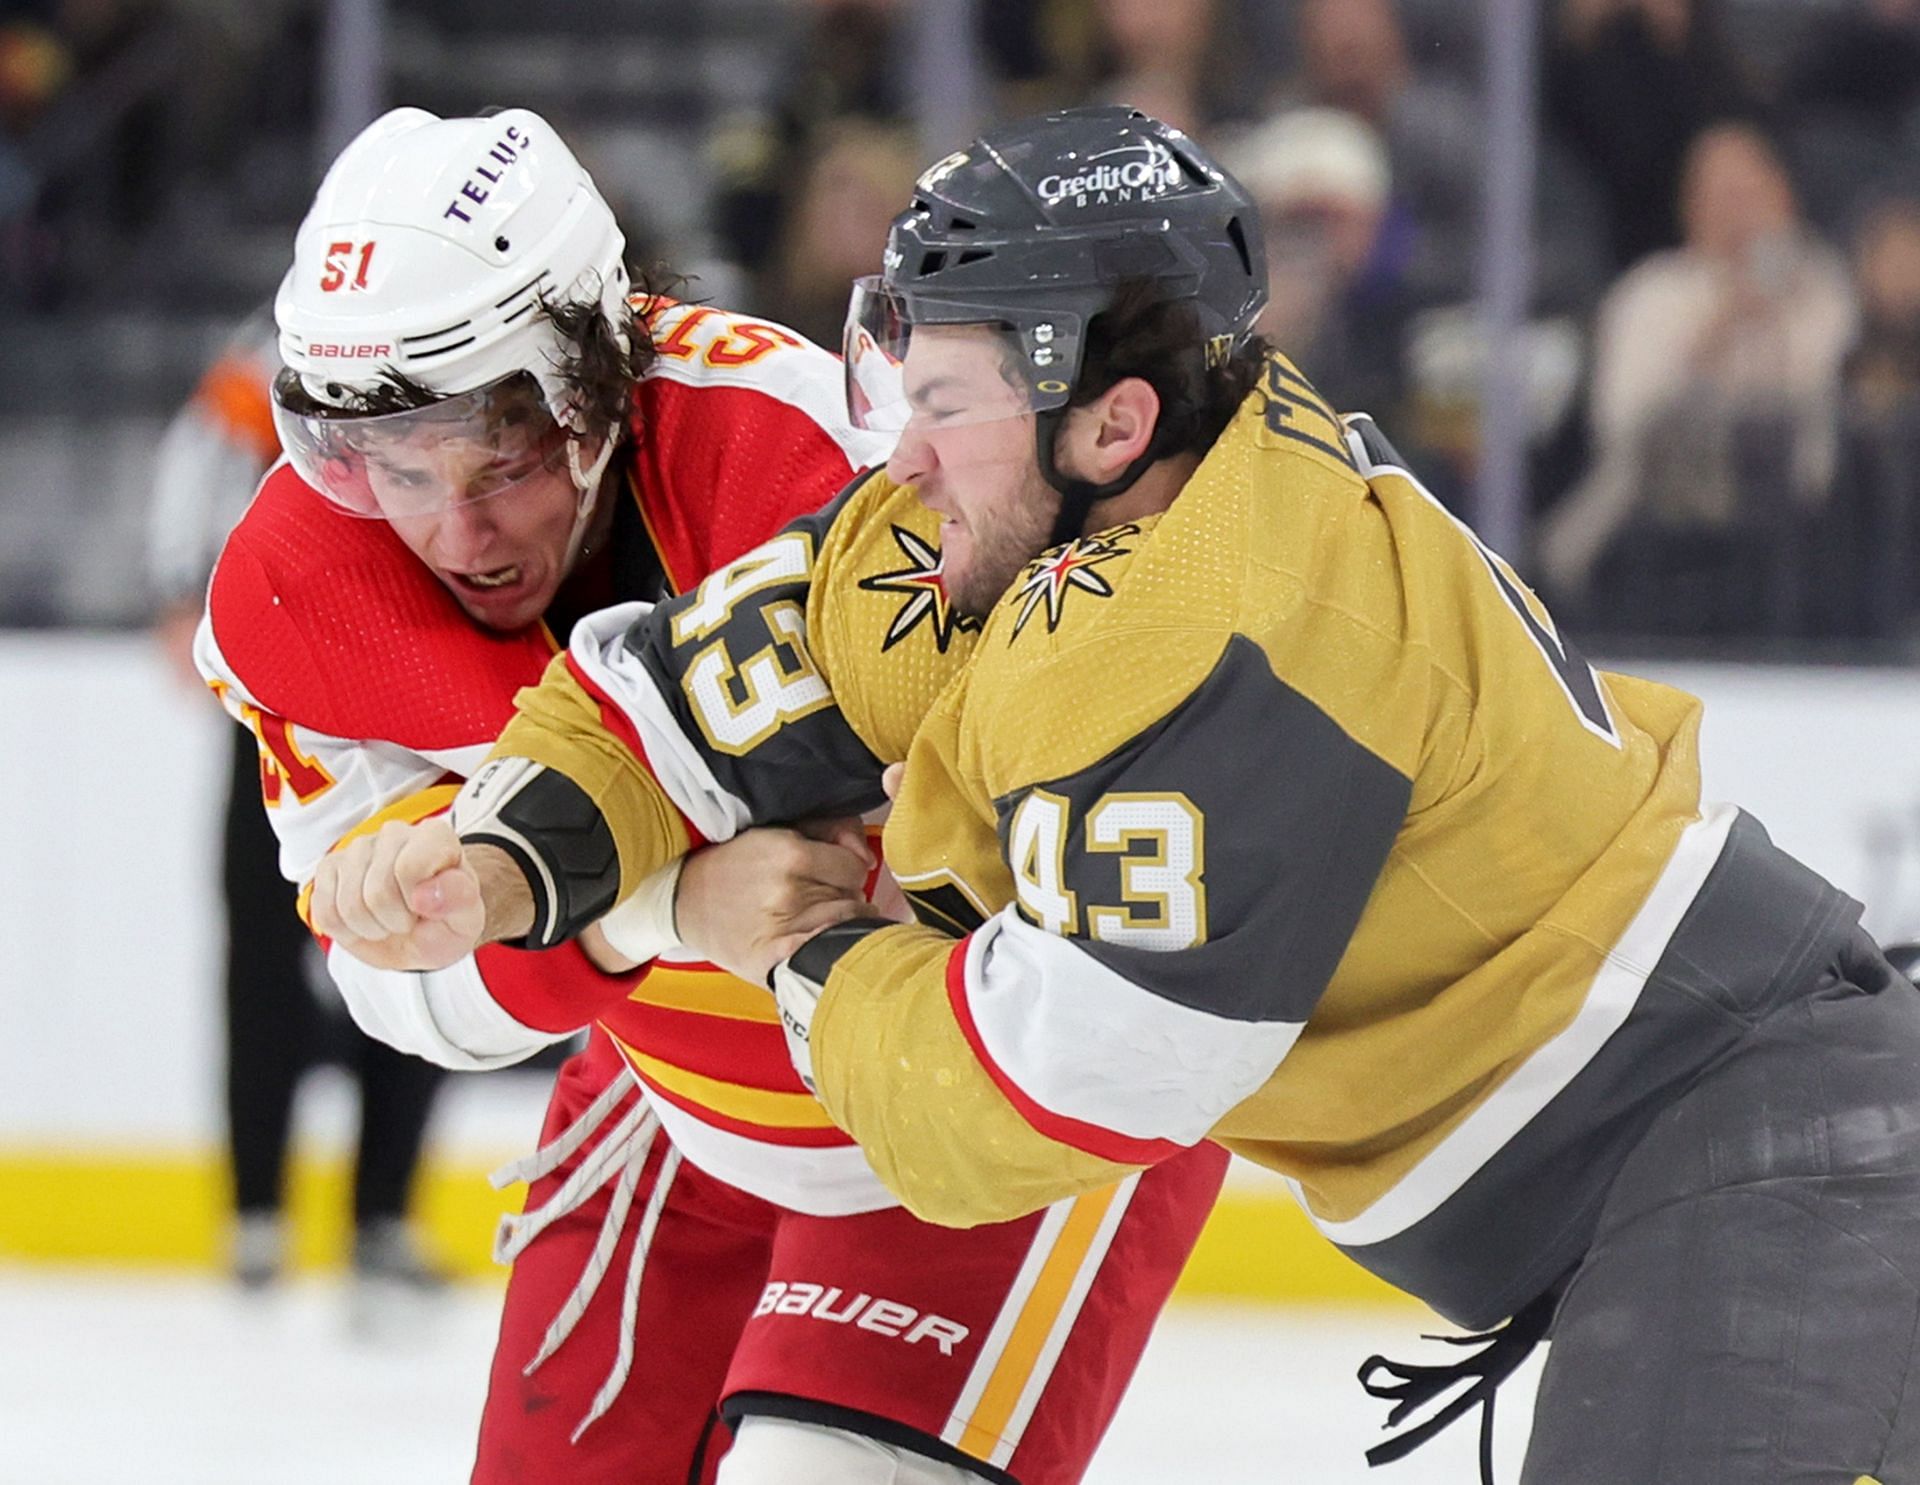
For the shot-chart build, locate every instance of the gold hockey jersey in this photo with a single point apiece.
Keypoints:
(687, 721)
(1286, 818)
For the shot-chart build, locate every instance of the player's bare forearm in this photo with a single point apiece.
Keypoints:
(505, 896)
(747, 904)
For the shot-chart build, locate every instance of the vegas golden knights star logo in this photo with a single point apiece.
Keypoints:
(1052, 573)
(924, 585)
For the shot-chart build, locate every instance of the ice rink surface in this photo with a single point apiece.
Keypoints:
(111, 1380)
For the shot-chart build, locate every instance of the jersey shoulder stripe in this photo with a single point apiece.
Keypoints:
(700, 346)
(738, 427)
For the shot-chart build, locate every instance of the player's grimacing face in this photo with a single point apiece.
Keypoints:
(968, 452)
(494, 531)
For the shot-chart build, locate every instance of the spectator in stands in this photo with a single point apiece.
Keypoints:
(1883, 373)
(1852, 105)
(851, 188)
(1359, 304)
(1197, 63)
(1627, 84)
(1178, 60)
(34, 66)
(1862, 64)
(1863, 572)
(847, 66)
(1353, 56)
(1706, 357)
(205, 470)
(1339, 245)
(1039, 52)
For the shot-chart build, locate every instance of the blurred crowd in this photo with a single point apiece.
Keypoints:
(1722, 351)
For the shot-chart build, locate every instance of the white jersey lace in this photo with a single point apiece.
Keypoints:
(620, 1156)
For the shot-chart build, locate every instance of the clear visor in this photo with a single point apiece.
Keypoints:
(925, 362)
(479, 445)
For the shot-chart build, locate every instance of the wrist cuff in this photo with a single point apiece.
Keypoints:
(642, 927)
(799, 981)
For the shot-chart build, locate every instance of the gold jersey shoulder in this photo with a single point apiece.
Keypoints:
(1364, 594)
(879, 620)
(1110, 633)
(1540, 801)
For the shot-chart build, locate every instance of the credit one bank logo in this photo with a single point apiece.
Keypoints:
(1133, 172)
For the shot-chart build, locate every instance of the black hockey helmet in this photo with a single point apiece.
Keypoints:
(1031, 229)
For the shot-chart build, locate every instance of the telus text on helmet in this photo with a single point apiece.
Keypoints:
(506, 149)
(1147, 174)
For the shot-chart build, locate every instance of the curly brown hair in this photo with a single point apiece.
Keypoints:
(1143, 334)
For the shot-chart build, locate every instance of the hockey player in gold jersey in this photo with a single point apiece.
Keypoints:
(1272, 809)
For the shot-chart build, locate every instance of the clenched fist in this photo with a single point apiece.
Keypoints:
(412, 897)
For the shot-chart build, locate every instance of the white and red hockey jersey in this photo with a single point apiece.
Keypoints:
(373, 696)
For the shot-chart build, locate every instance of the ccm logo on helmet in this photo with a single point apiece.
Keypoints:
(347, 352)
(506, 149)
(1151, 171)
(881, 1316)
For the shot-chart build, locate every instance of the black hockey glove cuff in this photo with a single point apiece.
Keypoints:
(554, 833)
(799, 981)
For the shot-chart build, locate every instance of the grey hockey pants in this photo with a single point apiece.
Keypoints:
(1749, 1310)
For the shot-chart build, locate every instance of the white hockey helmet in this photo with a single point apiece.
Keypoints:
(427, 253)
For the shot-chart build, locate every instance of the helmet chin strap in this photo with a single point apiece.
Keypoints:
(586, 484)
(1078, 496)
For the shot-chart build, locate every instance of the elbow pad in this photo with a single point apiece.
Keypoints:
(555, 834)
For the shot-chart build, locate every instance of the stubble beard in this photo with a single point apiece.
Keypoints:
(1004, 544)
